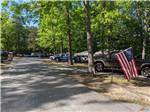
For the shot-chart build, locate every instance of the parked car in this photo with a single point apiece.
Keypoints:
(110, 61)
(35, 55)
(10, 56)
(52, 57)
(6, 56)
(19, 54)
(64, 58)
(43, 55)
(82, 58)
(27, 55)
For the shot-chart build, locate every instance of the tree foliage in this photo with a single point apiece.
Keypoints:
(115, 25)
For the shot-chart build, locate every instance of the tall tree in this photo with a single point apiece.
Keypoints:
(69, 32)
(61, 26)
(142, 10)
(89, 37)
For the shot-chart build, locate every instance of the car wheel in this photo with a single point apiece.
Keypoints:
(73, 61)
(145, 71)
(57, 59)
(99, 67)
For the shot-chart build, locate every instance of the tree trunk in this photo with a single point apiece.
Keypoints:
(143, 21)
(69, 36)
(143, 48)
(89, 37)
(54, 44)
(61, 46)
(103, 31)
(17, 44)
(145, 34)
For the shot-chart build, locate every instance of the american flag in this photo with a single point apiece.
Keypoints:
(127, 63)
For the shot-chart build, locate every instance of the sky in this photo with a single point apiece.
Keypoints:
(0, 5)
(31, 23)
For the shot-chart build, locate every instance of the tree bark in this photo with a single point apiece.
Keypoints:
(103, 16)
(17, 44)
(143, 48)
(143, 21)
(54, 45)
(145, 35)
(69, 35)
(61, 46)
(89, 37)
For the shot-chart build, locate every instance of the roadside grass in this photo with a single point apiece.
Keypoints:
(77, 65)
(17, 57)
(52, 62)
(116, 87)
(4, 65)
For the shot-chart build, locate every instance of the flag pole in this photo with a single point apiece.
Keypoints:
(111, 75)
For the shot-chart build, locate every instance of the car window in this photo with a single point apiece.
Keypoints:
(62, 54)
(113, 56)
(108, 56)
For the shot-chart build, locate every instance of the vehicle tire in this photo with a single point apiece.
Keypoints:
(99, 67)
(74, 61)
(57, 59)
(145, 71)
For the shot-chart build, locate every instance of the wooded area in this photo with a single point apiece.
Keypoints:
(56, 26)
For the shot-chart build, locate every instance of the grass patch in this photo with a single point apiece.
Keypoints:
(53, 62)
(77, 65)
(117, 87)
(4, 65)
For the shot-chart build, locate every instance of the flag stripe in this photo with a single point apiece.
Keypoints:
(127, 63)
(136, 72)
(132, 68)
(126, 66)
(122, 65)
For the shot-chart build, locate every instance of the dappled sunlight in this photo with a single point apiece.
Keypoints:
(62, 68)
(39, 85)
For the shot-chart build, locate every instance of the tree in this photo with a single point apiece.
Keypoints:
(142, 13)
(89, 37)
(15, 31)
(32, 38)
(68, 4)
(60, 26)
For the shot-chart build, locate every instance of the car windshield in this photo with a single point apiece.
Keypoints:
(101, 56)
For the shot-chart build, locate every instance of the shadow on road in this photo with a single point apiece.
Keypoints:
(32, 85)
